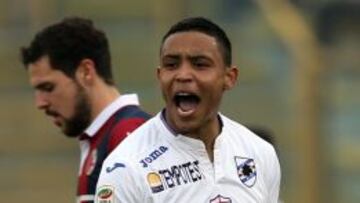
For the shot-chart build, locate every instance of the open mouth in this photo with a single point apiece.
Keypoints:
(186, 103)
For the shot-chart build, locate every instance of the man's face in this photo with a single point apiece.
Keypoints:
(193, 77)
(60, 97)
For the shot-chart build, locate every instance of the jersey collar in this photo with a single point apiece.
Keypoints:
(165, 123)
(120, 102)
(186, 142)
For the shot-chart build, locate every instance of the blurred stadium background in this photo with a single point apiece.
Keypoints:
(299, 79)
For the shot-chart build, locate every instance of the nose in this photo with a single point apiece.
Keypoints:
(185, 73)
(41, 101)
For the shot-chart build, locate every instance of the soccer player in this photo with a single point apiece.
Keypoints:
(70, 69)
(190, 152)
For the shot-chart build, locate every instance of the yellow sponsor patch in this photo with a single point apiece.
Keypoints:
(155, 183)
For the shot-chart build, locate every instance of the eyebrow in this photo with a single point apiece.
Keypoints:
(173, 56)
(42, 85)
(190, 57)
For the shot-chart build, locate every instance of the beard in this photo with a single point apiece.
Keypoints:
(76, 125)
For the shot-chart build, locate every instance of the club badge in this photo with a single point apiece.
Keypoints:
(246, 170)
(105, 194)
(220, 199)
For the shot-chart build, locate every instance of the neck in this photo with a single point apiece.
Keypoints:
(207, 132)
(208, 135)
(101, 97)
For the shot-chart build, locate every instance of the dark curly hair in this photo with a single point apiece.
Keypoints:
(67, 43)
(203, 25)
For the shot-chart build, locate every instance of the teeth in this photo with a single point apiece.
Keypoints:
(183, 94)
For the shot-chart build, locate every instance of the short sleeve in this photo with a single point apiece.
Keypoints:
(117, 184)
(273, 178)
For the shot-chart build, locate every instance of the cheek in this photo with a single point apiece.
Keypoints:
(165, 77)
(165, 83)
(164, 91)
(212, 85)
(68, 102)
(68, 108)
(214, 91)
(60, 100)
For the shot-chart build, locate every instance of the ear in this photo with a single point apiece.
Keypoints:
(86, 72)
(158, 72)
(231, 76)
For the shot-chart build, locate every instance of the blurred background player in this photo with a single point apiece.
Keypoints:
(69, 67)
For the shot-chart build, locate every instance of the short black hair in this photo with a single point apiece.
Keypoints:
(203, 25)
(68, 42)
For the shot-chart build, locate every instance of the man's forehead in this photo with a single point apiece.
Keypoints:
(40, 73)
(183, 39)
(37, 80)
(189, 42)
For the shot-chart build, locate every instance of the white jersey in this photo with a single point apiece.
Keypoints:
(153, 165)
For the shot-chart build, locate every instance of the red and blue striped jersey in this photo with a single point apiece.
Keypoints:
(103, 138)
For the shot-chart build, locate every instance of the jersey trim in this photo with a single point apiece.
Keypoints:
(122, 101)
(84, 198)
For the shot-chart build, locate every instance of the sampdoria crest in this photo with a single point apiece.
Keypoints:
(246, 170)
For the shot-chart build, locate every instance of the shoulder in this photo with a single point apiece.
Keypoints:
(247, 144)
(248, 140)
(127, 120)
(118, 176)
(125, 162)
(131, 112)
(138, 141)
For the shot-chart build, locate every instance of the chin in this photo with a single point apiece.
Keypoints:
(72, 132)
(71, 135)
(184, 129)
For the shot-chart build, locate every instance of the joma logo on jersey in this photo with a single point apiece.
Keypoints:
(116, 165)
(153, 156)
(173, 176)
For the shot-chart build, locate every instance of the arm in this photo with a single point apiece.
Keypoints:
(274, 178)
(117, 184)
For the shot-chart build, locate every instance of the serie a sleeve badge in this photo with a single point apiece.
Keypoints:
(246, 170)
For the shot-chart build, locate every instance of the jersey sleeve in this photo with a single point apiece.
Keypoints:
(274, 177)
(117, 184)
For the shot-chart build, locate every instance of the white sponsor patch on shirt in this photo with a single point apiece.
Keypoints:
(105, 194)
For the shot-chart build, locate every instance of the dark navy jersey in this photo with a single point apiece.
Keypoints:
(110, 134)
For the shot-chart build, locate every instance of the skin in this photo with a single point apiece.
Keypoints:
(192, 62)
(71, 103)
